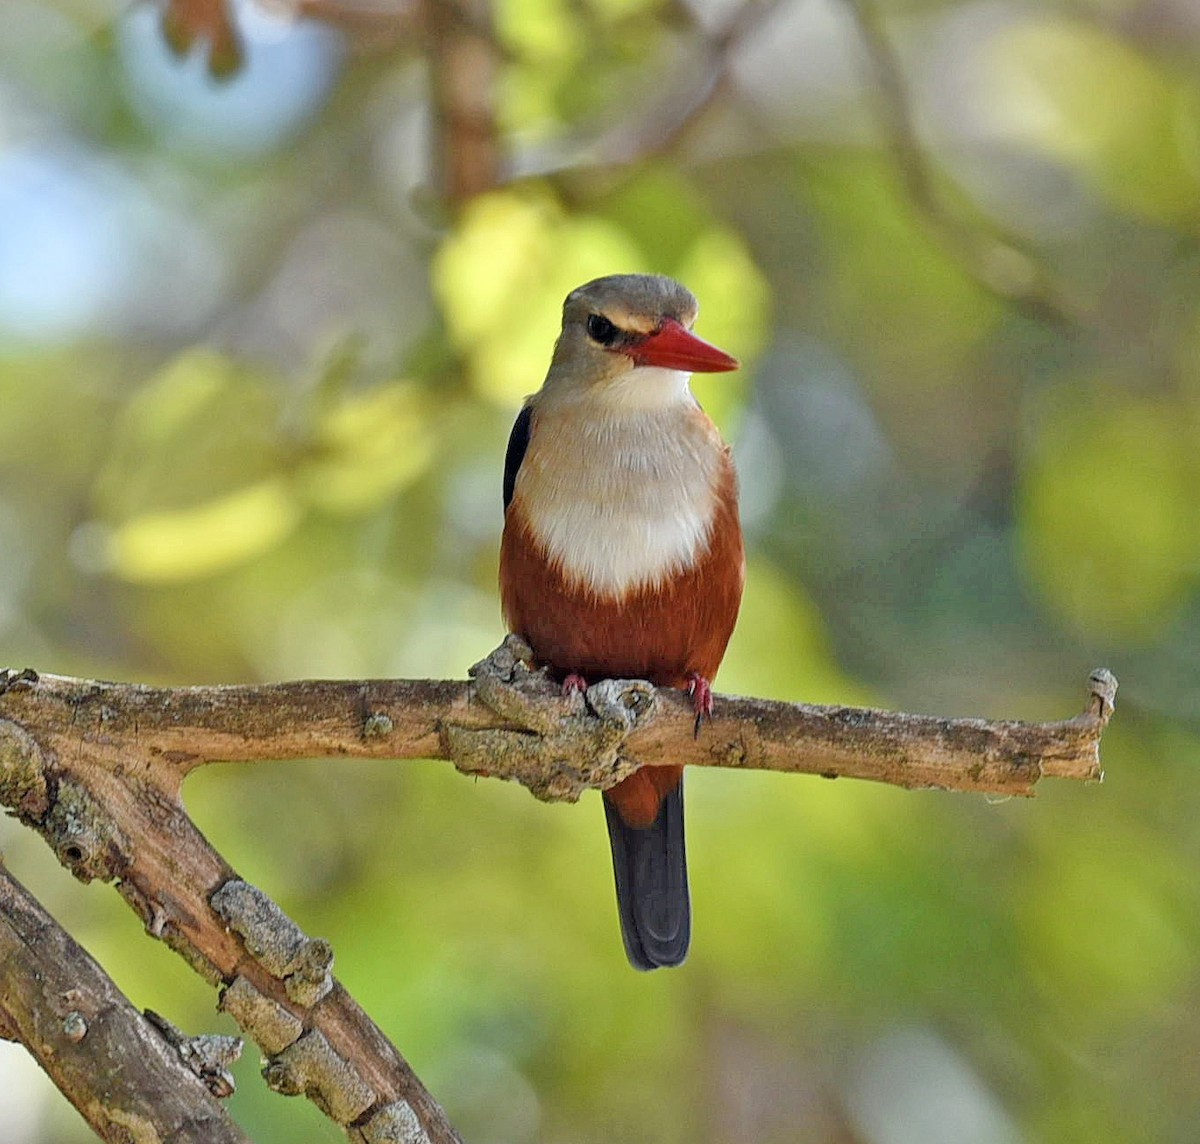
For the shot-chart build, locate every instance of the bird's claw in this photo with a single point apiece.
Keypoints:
(573, 684)
(702, 699)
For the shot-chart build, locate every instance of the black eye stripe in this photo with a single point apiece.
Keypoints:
(601, 330)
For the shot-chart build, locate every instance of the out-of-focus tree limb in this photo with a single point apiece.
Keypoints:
(660, 124)
(997, 261)
(464, 65)
(459, 45)
(109, 1061)
(208, 25)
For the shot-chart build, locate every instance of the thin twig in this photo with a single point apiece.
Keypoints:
(657, 126)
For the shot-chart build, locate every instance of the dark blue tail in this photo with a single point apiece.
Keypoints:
(650, 865)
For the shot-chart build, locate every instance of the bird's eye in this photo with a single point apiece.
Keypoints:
(601, 330)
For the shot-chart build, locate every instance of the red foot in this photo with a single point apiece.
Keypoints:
(573, 683)
(702, 698)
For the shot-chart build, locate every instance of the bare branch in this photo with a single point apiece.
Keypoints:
(369, 26)
(127, 1081)
(108, 805)
(96, 768)
(516, 720)
(464, 62)
(658, 125)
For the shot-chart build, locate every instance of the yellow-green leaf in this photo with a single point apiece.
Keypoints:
(1124, 121)
(1107, 511)
(188, 543)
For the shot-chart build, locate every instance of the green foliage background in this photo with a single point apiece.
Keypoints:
(255, 431)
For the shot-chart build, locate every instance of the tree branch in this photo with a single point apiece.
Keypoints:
(107, 802)
(513, 723)
(463, 65)
(127, 1081)
(663, 120)
(96, 768)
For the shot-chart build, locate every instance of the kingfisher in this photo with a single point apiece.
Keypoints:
(622, 554)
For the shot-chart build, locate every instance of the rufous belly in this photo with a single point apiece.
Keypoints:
(661, 631)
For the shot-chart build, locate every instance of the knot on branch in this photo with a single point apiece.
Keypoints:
(74, 1026)
(208, 1055)
(272, 1026)
(84, 834)
(302, 963)
(312, 1068)
(377, 725)
(394, 1123)
(558, 746)
(1102, 694)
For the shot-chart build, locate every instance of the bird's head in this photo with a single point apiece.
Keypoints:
(626, 340)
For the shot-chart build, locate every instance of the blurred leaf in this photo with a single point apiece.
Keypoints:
(159, 547)
(201, 426)
(366, 447)
(896, 294)
(1127, 122)
(55, 412)
(1108, 515)
(735, 314)
(569, 62)
(541, 30)
(661, 210)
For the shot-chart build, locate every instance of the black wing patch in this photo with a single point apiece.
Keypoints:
(518, 442)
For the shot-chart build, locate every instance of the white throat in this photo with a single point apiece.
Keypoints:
(643, 388)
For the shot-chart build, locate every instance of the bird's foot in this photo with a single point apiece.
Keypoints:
(573, 684)
(702, 699)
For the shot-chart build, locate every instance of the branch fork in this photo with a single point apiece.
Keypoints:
(97, 768)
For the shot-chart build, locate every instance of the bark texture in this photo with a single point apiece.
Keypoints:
(127, 1080)
(96, 768)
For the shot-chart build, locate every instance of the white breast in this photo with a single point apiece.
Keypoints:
(621, 499)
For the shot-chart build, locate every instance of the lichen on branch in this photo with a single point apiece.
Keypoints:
(96, 768)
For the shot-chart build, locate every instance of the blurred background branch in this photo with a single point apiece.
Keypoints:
(999, 262)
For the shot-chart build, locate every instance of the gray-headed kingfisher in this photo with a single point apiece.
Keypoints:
(622, 552)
